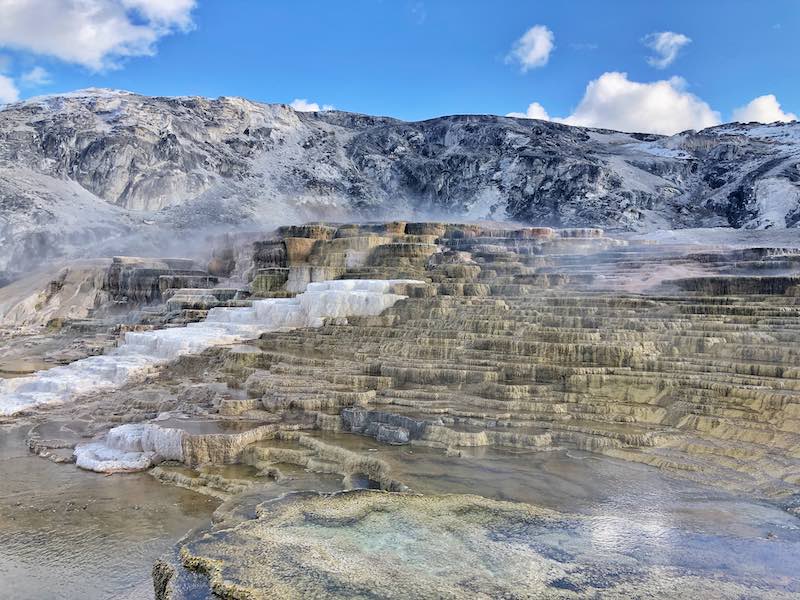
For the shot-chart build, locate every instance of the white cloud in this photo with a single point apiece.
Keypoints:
(535, 111)
(764, 109)
(615, 102)
(36, 76)
(176, 13)
(612, 101)
(94, 33)
(303, 105)
(666, 45)
(533, 49)
(8, 91)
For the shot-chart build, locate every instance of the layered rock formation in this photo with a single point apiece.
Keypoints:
(427, 344)
(533, 338)
(93, 288)
(510, 338)
(141, 351)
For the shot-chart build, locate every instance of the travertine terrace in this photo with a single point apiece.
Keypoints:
(683, 358)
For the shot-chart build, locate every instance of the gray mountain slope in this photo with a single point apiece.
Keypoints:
(101, 169)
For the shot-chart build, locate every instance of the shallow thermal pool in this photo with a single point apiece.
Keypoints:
(398, 546)
(67, 533)
(632, 509)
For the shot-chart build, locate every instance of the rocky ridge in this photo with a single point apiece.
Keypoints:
(105, 171)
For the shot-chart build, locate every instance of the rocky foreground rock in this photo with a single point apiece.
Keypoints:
(102, 169)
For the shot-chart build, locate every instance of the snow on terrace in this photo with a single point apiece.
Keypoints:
(141, 351)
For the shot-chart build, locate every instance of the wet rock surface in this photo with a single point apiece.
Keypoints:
(374, 544)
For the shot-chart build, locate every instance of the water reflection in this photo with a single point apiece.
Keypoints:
(65, 533)
(637, 514)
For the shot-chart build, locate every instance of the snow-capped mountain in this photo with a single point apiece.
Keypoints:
(115, 168)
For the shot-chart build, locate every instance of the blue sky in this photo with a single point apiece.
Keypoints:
(419, 59)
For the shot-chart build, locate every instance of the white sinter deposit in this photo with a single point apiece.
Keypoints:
(141, 351)
(131, 447)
